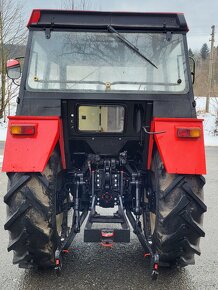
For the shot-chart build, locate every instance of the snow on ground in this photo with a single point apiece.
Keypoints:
(4, 125)
(209, 120)
(3, 131)
(210, 138)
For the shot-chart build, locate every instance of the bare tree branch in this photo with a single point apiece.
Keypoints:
(76, 4)
(12, 34)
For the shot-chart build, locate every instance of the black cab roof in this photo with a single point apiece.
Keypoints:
(100, 20)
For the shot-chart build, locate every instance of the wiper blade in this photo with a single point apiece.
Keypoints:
(129, 44)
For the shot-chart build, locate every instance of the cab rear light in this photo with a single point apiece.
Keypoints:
(188, 132)
(34, 18)
(23, 129)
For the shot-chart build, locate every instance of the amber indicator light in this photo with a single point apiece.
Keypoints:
(23, 129)
(188, 132)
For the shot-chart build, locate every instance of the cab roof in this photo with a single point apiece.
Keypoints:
(100, 20)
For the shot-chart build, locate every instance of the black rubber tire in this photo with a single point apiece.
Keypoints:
(179, 215)
(31, 215)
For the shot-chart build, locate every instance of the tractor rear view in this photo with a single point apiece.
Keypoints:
(105, 118)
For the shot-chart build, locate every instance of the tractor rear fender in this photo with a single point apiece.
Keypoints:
(30, 142)
(180, 152)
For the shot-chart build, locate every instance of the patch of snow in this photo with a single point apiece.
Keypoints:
(201, 104)
(4, 125)
(3, 131)
(210, 139)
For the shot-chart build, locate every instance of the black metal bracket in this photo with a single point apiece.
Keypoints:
(146, 244)
(65, 243)
(98, 235)
(138, 231)
(106, 236)
(77, 221)
(47, 33)
(58, 262)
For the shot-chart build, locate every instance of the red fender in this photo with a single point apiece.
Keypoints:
(30, 153)
(179, 155)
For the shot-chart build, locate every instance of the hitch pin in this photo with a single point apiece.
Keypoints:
(147, 255)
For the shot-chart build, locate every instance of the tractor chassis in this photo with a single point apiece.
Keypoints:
(105, 236)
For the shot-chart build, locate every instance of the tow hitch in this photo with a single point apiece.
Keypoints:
(108, 183)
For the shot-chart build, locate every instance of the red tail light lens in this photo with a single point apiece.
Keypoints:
(34, 18)
(12, 63)
(188, 132)
(23, 129)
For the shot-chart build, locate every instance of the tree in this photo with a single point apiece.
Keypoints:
(204, 51)
(12, 35)
(76, 4)
(216, 123)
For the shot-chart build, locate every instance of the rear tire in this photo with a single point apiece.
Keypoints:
(31, 215)
(179, 215)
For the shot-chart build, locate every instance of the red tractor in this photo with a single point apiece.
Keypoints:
(105, 118)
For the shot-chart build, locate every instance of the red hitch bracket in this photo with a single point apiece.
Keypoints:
(107, 238)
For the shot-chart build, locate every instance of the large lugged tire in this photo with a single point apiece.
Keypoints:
(31, 215)
(179, 215)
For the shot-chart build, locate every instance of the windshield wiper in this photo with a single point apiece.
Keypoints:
(129, 44)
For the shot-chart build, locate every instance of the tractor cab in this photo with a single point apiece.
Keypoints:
(105, 118)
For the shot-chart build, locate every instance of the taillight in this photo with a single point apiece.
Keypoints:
(188, 132)
(23, 129)
(34, 18)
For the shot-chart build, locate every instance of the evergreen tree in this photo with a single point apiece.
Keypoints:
(204, 51)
